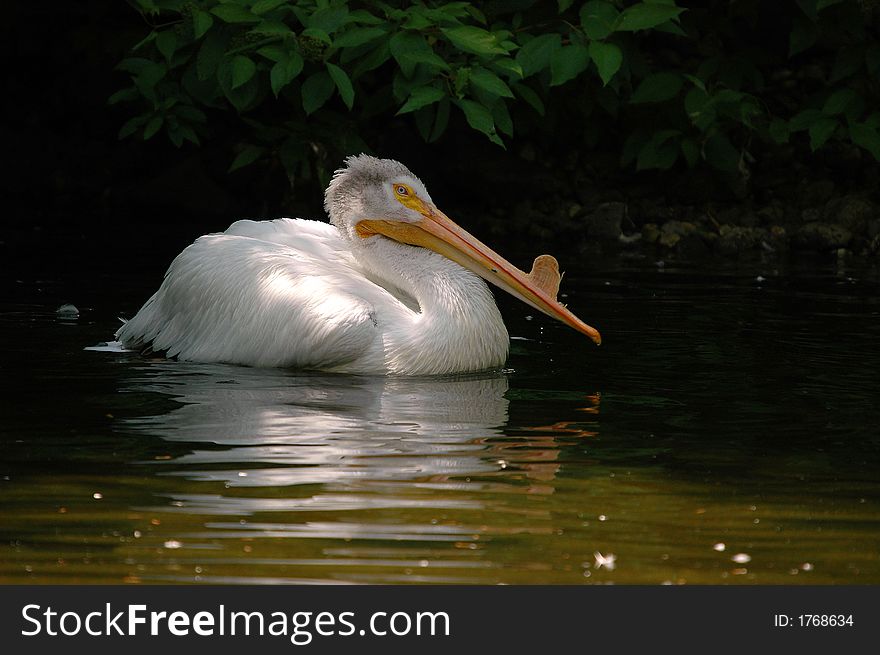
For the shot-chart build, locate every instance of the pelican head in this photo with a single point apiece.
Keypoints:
(380, 198)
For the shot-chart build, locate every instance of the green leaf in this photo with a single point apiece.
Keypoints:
(474, 40)
(284, 71)
(123, 95)
(273, 52)
(531, 98)
(691, 151)
(721, 153)
(479, 118)
(696, 81)
(460, 80)
(235, 14)
(131, 125)
(153, 126)
(271, 28)
(489, 81)
(821, 131)
(501, 116)
(317, 34)
(598, 19)
(469, 8)
(441, 121)
(210, 55)
(188, 133)
(247, 156)
(149, 77)
(149, 38)
(175, 135)
(867, 137)
(328, 19)
(202, 22)
(424, 119)
(535, 55)
(262, 6)
(365, 17)
(803, 119)
(657, 88)
(808, 7)
(567, 63)
(803, 35)
(343, 84)
(421, 97)
(564, 5)
(660, 151)
(633, 144)
(778, 130)
(646, 15)
(190, 113)
(243, 69)
(608, 58)
(378, 56)
(134, 65)
(821, 4)
(410, 50)
(166, 43)
(241, 97)
(508, 65)
(358, 36)
(316, 91)
(838, 102)
(848, 61)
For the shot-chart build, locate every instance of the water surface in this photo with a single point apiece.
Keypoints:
(725, 432)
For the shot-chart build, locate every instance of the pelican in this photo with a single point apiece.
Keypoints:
(390, 286)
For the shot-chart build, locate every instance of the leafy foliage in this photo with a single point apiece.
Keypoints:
(674, 84)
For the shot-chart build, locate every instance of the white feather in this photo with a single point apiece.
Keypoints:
(304, 294)
(293, 293)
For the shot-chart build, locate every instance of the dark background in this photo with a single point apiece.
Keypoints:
(73, 190)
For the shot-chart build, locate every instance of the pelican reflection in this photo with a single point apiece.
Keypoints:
(279, 428)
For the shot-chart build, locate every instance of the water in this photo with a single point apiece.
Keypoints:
(725, 432)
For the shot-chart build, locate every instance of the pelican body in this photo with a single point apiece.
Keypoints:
(390, 286)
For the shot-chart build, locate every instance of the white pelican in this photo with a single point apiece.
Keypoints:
(387, 287)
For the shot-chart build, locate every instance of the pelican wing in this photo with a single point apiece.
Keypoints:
(267, 293)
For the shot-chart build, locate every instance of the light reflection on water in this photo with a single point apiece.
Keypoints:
(719, 436)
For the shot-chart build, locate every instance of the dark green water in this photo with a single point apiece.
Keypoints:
(728, 431)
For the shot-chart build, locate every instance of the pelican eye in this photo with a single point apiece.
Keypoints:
(401, 190)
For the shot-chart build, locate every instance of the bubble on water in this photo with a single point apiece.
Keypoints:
(602, 517)
(97, 495)
(806, 566)
(742, 558)
(719, 547)
(172, 544)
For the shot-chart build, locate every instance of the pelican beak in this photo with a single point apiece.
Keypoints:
(439, 233)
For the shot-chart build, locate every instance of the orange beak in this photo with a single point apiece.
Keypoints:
(439, 233)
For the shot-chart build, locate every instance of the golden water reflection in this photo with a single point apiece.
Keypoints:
(274, 477)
